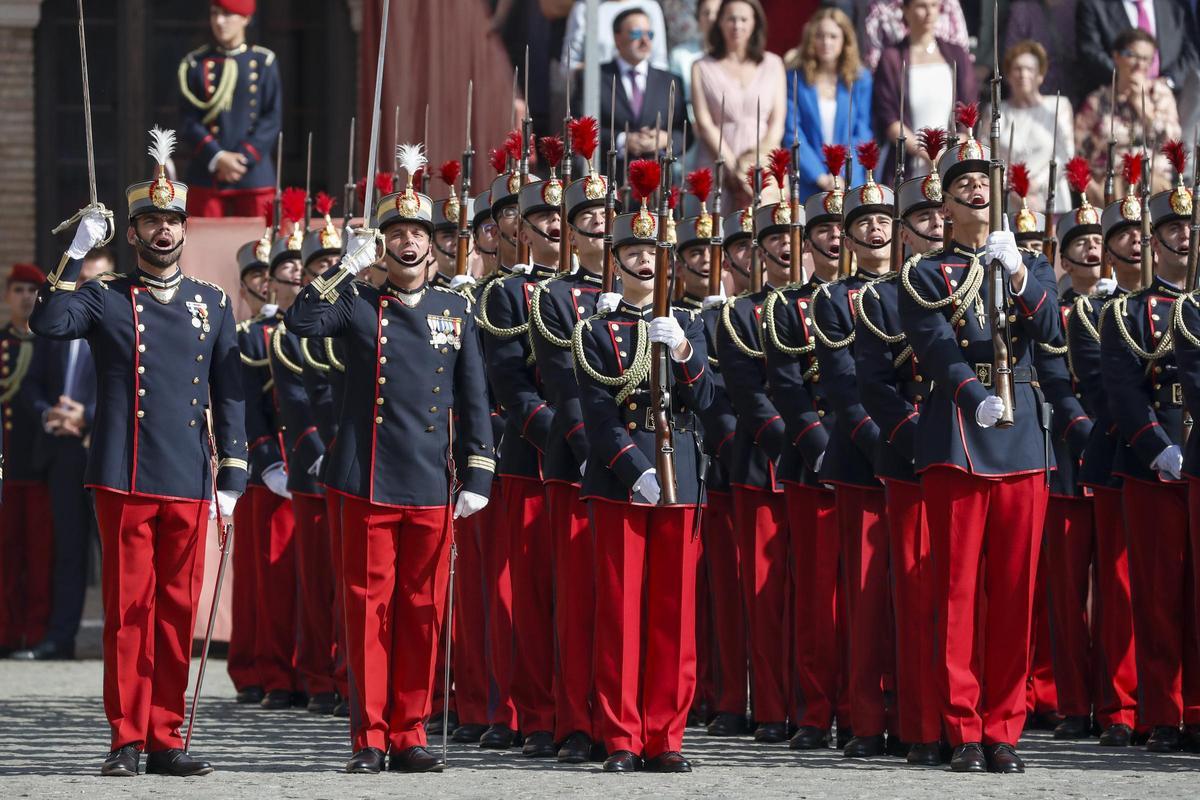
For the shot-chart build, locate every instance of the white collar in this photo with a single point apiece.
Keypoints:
(623, 66)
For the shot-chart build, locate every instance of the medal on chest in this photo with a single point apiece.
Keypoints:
(199, 312)
(444, 331)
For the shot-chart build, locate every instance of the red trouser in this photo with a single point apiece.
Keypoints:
(1164, 602)
(396, 565)
(470, 618)
(275, 561)
(1113, 641)
(314, 651)
(763, 559)
(724, 598)
(862, 519)
(240, 663)
(27, 563)
(152, 562)
(918, 702)
(818, 650)
(983, 698)
(205, 202)
(574, 609)
(333, 517)
(496, 547)
(531, 560)
(1041, 695)
(646, 561)
(706, 686)
(1068, 544)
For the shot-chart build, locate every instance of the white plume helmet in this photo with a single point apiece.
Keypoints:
(162, 145)
(411, 158)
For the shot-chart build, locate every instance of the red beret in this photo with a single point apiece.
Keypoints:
(243, 7)
(26, 273)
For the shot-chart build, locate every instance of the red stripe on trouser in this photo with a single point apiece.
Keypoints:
(532, 564)
(1164, 610)
(762, 556)
(574, 609)
(152, 565)
(314, 651)
(27, 566)
(396, 566)
(275, 562)
(1113, 642)
(240, 663)
(333, 518)
(1068, 546)
(818, 649)
(496, 547)
(918, 704)
(724, 600)
(1041, 695)
(968, 517)
(862, 519)
(645, 625)
(470, 618)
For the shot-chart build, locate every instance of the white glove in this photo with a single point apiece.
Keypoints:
(275, 477)
(668, 331)
(820, 461)
(362, 251)
(1105, 287)
(647, 486)
(1002, 246)
(468, 504)
(92, 228)
(1169, 463)
(607, 302)
(270, 309)
(989, 411)
(522, 269)
(714, 300)
(459, 281)
(226, 501)
(315, 469)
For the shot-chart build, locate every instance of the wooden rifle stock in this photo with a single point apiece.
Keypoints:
(1002, 377)
(660, 365)
(1193, 258)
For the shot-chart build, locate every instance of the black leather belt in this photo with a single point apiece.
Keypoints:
(643, 417)
(1168, 395)
(1020, 374)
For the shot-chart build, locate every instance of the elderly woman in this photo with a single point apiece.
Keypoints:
(1029, 115)
(823, 73)
(1133, 123)
(751, 81)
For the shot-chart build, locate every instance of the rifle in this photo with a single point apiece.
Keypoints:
(898, 178)
(716, 244)
(625, 190)
(1049, 240)
(952, 130)
(373, 147)
(845, 257)
(676, 281)
(756, 189)
(523, 256)
(564, 237)
(308, 186)
(1110, 177)
(462, 246)
(277, 205)
(1193, 259)
(660, 370)
(610, 194)
(1147, 167)
(1002, 378)
(796, 228)
(396, 142)
(349, 190)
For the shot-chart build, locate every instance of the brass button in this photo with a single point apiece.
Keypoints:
(191, 423)
(383, 359)
(194, 401)
(140, 413)
(433, 409)
(919, 379)
(141, 392)
(378, 401)
(430, 428)
(964, 343)
(437, 389)
(253, 88)
(141, 369)
(440, 370)
(633, 406)
(623, 354)
(383, 340)
(141, 348)
(253, 76)
(196, 379)
(383, 303)
(383, 322)
(918, 399)
(8, 426)
(138, 306)
(619, 340)
(199, 358)
(379, 420)
(382, 380)
(820, 413)
(1012, 317)
(632, 426)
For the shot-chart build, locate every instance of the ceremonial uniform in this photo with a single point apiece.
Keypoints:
(412, 361)
(759, 505)
(165, 350)
(232, 101)
(26, 523)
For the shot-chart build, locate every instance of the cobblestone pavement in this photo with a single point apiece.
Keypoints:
(53, 738)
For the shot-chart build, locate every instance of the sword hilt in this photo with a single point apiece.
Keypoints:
(78, 215)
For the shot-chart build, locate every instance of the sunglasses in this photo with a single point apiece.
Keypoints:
(1132, 56)
(638, 33)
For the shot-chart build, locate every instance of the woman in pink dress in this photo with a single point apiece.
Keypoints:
(738, 69)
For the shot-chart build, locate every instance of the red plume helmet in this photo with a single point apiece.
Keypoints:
(1131, 170)
(498, 159)
(1181, 198)
(1079, 175)
(292, 203)
(868, 157)
(1175, 152)
(1019, 180)
(449, 172)
(777, 164)
(585, 134)
(932, 140)
(644, 175)
(330, 238)
(751, 172)
(552, 151)
(700, 184)
(835, 159)
(513, 144)
(323, 204)
(967, 115)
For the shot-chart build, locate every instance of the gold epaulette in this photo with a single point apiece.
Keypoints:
(772, 331)
(210, 285)
(628, 381)
(1178, 323)
(190, 58)
(265, 52)
(457, 293)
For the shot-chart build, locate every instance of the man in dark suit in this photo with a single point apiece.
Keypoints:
(63, 398)
(1171, 22)
(642, 94)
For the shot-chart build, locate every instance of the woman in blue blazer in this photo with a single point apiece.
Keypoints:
(823, 72)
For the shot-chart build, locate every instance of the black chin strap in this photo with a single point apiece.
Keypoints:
(1080, 264)
(628, 271)
(530, 226)
(824, 253)
(424, 259)
(587, 234)
(909, 226)
(971, 205)
(147, 246)
(445, 252)
(1163, 242)
(1126, 259)
(779, 261)
(861, 243)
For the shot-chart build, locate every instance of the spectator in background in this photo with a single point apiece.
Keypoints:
(684, 55)
(609, 10)
(1031, 117)
(642, 93)
(750, 80)
(1050, 23)
(885, 24)
(681, 18)
(1133, 53)
(823, 72)
(929, 89)
(1099, 23)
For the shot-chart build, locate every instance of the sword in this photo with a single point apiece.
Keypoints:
(308, 186)
(349, 190)
(225, 542)
(373, 151)
(452, 468)
(93, 203)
